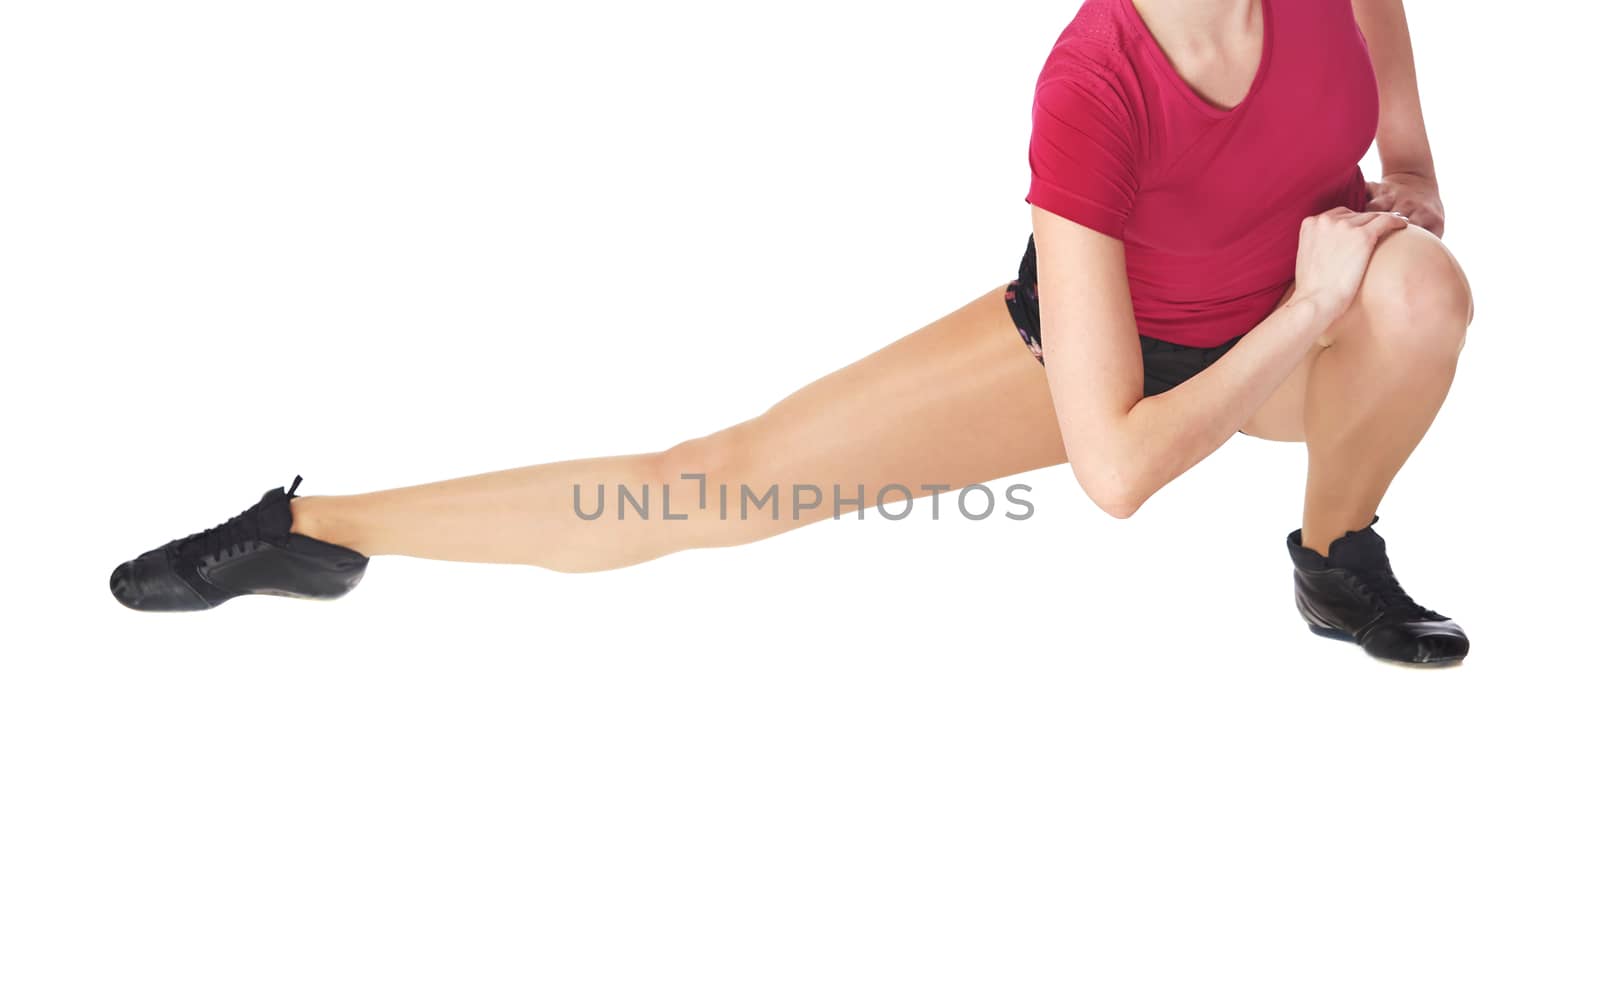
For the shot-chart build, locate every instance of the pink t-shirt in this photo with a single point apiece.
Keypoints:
(1207, 201)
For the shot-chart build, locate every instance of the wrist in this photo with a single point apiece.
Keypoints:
(1417, 170)
(1317, 308)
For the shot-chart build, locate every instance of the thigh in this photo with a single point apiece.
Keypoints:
(1402, 254)
(957, 402)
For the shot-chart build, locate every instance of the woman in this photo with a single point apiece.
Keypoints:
(1195, 190)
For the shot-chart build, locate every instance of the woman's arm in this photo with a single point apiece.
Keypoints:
(1123, 446)
(1409, 183)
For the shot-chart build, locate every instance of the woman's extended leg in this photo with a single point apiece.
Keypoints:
(1362, 404)
(957, 402)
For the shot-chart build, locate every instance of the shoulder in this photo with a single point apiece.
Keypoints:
(1091, 69)
(1091, 129)
(1099, 42)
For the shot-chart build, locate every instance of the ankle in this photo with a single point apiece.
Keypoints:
(1319, 531)
(320, 517)
(1317, 542)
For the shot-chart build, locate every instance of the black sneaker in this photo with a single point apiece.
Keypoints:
(1352, 594)
(251, 553)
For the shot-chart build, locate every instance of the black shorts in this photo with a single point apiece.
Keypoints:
(1166, 364)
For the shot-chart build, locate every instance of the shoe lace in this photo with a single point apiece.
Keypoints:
(226, 538)
(1380, 583)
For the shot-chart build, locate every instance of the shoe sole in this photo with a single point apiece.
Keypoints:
(1345, 637)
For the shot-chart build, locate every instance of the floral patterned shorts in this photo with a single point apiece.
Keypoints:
(1166, 364)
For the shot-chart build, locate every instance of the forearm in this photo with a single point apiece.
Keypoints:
(1402, 137)
(1165, 434)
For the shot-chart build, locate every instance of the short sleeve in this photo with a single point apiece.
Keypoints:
(1082, 153)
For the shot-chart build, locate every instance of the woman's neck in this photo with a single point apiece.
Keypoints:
(1215, 46)
(1201, 27)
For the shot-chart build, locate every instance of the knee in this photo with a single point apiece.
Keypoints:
(722, 455)
(1416, 296)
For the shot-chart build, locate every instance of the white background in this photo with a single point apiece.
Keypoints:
(378, 244)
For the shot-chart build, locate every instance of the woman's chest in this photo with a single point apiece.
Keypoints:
(1209, 183)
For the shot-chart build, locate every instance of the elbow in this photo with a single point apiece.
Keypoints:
(1118, 504)
(1115, 465)
(1121, 508)
(1112, 487)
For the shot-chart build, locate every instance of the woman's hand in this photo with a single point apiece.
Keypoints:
(1415, 196)
(1335, 248)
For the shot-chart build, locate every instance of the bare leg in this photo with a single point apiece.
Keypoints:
(957, 402)
(1364, 403)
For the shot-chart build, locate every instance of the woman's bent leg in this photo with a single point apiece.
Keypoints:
(1363, 403)
(957, 402)
(1374, 392)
